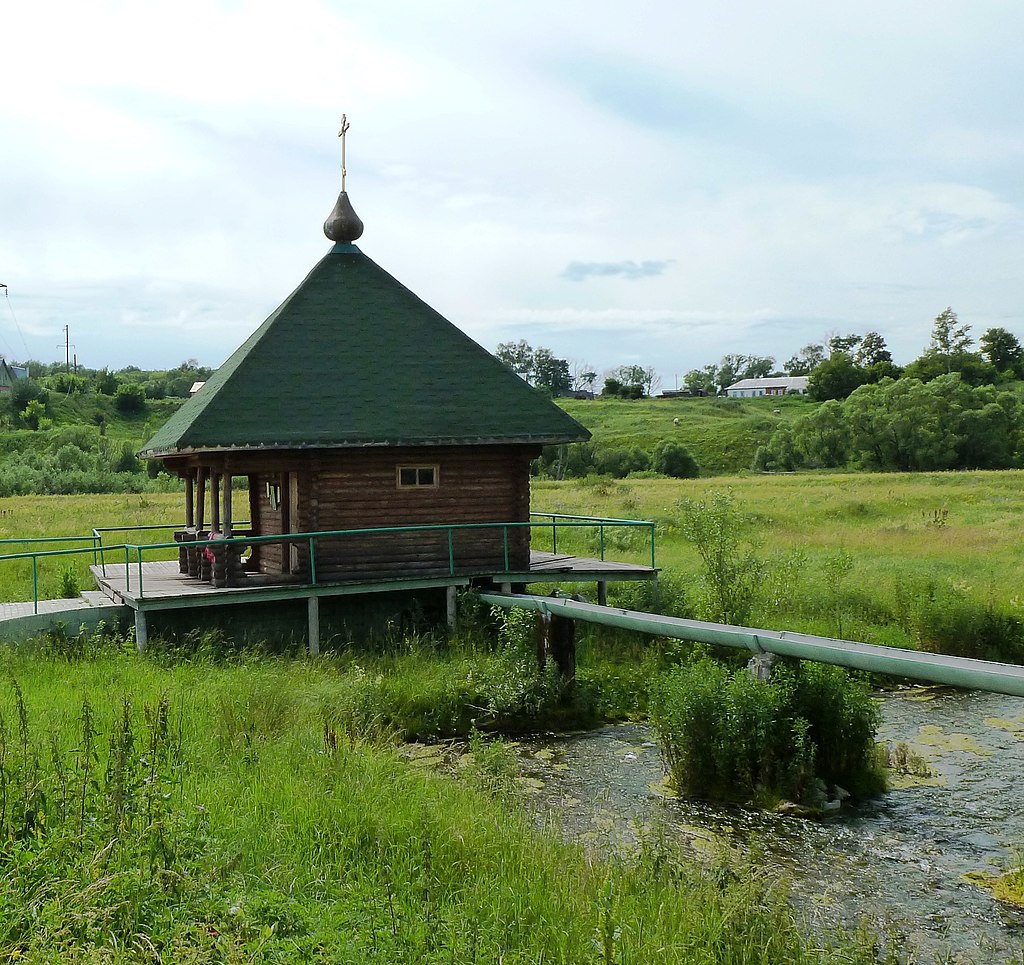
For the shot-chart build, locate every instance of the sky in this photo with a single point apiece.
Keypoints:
(656, 183)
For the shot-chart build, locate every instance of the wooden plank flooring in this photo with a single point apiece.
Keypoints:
(162, 581)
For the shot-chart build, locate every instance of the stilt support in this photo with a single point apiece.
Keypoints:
(602, 592)
(450, 606)
(556, 641)
(141, 631)
(314, 625)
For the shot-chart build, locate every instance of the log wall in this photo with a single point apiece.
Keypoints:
(357, 489)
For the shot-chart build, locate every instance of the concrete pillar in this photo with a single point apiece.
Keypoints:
(450, 597)
(141, 631)
(314, 625)
(602, 592)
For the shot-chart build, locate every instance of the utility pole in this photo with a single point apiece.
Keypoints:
(67, 351)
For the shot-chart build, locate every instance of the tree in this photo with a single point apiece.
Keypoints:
(835, 378)
(843, 343)
(549, 372)
(872, 350)
(758, 367)
(806, 360)
(651, 380)
(583, 375)
(949, 339)
(518, 356)
(729, 368)
(702, 380)
(1002, 349)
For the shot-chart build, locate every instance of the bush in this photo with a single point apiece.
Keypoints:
(130, 398)
(674, 459)
(731, 735)
(621, 462)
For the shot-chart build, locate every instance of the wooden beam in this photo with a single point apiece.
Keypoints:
(215, 523)
(190, 500)
(200, 496)
(227, 505)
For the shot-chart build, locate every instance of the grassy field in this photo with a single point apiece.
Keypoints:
(197, 811)
(721, 434)
(919, 560)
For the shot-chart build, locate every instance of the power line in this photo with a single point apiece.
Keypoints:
(10, 308)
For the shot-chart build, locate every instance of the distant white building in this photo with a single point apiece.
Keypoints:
(775, 385)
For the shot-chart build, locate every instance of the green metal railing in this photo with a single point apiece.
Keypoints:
(134, 552)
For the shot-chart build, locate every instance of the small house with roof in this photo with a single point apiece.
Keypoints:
(336, 442)
(9, 374)
(773, 385)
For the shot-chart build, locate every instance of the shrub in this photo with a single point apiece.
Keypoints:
(674, 459)
(130, 398)
(731, 573)
(731, 735)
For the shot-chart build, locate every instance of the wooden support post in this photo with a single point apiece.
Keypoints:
(141, 631)
(556, 640)
(200, 497)
(227, 506)
(451, 614)
(190, 500)
(314, 625)
(602, 592)
(215, 523)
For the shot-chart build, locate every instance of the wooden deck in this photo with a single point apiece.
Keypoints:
(164, 587)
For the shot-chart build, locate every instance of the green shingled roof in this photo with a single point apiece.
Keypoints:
(353, 358)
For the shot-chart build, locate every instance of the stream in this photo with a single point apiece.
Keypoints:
(897, 861)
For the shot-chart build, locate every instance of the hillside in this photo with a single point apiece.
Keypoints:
(721, 434)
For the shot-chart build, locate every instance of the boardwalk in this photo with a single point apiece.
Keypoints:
(159, 585)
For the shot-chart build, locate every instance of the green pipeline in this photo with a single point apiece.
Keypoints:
(999, 678)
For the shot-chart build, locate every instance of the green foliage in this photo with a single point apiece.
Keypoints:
(730, 573)
(24, 392)
(1003, 350)
(835, 378)
(105, 382)
(674, 459)
(134, 829)
(731, 735)
(904, 425)
(33, 414)
(130, 398)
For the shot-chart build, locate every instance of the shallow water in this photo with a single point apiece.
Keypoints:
(897, 861)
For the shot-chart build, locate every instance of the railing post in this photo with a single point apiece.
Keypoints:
(451, 551)
(138, 553)
(127, 571)
(312, 563)
(554, 535)
(601, 529)
(653, 565)
(504, 531)
(35, 586)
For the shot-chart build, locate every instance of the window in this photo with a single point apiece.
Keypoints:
(417, 477)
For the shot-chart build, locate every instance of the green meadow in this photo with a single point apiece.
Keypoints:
(206, 804)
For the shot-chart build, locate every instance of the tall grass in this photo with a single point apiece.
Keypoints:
(212, 813)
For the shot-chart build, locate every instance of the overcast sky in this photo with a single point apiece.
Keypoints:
(650, 182)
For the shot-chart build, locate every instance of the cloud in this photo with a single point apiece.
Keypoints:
(582, 270)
